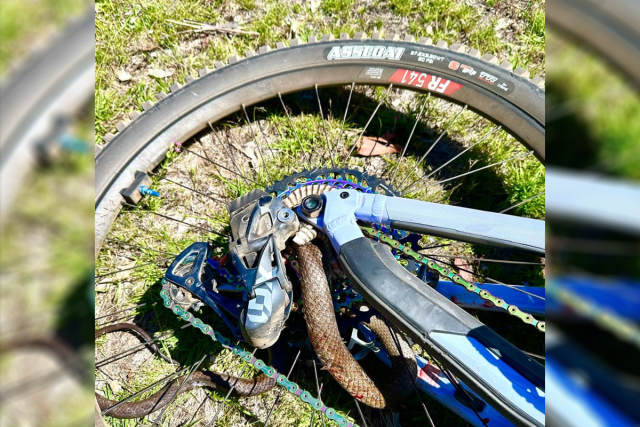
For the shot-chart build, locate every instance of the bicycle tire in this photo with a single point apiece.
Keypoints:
(142, 143)
(608, 27)
(188, 109)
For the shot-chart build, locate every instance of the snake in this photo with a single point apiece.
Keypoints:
(325, 338)
(241, 386)
(322, 327)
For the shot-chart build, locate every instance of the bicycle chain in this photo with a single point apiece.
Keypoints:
(350, 298)
(281, 379)
(624, 329)
(455, 278)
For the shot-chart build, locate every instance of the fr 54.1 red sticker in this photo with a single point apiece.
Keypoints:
(427, 81)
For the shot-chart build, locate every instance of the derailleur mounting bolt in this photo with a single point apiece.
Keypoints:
(312, 205)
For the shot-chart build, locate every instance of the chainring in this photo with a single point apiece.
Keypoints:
(332, 178)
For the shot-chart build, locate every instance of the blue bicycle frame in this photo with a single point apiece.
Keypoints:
(509, 381)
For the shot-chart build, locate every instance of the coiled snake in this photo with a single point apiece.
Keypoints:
(325, 338)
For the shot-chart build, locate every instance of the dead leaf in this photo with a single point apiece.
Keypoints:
(159, 73)
(123, 76)
(372, 146)
(314, 5)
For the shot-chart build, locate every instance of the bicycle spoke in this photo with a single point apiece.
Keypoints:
(264, 164)
(459, 386)
(367, 125)
(126, 317)
(190, 422)
(192, 369)
(140, 248)
(224, 203)
(220, 166)
(324, 129)
(228, 153)
(406, 366)
(500, 261)
(111, 273)
(319, 390)
(138, 347)
(364, 422)
(264, 136)
(537, 356)
(295, 131)
(515, 288)
(445, 245)
(162, 381)
(489, 279)
(415, 124)
(427, 176)
(519, 156)
(111, 378)
(442, 134)
(275, 402)
(522, 202)
(206, 230)
(125, 309)
(344, 119)
(233, 387)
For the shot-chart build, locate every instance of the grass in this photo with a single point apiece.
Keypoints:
(22, 32)
(602, 126)
(136, 37)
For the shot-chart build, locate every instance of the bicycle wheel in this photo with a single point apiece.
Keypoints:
(469, 91)
(53, 85)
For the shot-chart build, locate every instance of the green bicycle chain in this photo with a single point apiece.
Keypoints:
(455, 278)
(621, 327)
(270, 372)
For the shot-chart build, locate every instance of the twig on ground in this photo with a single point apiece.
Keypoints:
(199, 27)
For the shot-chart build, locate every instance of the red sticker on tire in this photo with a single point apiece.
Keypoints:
(427, 81)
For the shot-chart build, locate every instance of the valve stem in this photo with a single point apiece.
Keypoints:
(146, 191)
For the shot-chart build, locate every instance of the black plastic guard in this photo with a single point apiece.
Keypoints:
(420, 310)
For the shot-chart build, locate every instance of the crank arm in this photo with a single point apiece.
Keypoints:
(499, 373)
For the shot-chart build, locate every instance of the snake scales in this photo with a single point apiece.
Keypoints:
(325, 338)
(139, 409)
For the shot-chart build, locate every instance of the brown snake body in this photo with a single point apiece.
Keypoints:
(214, 380)
(325, 338)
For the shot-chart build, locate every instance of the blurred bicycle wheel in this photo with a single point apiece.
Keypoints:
(46, 243)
